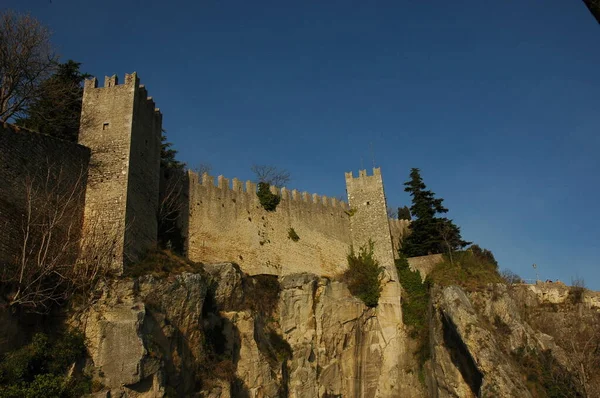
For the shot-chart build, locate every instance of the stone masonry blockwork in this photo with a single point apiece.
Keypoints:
(223, 220)
(123, 129)
(228, 223)
(36, 166)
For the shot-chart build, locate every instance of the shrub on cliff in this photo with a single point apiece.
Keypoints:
(468, 270)
(415, 306)
(268, 200)
(40, 368)
(363, 275)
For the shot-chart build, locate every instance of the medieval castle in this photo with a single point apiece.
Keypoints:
(115, 168)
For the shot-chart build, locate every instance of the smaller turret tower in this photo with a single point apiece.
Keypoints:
(369, 218)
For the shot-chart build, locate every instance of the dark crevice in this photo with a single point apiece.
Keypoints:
(459, 353)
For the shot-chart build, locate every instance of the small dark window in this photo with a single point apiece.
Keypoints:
(104, 126)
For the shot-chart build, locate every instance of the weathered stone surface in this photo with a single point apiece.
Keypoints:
(144, 333)
(485, 366)
(341, 347)
(150, 336)
(122, 127)
(34, 169)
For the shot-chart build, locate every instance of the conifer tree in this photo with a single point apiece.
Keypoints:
(430, 234)
(56, 111)
(404, 213)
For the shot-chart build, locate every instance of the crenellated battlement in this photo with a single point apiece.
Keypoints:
(235, 186)
(131, 82)
(122, 126)
(220, 219)
(226, 222)
(363, 174)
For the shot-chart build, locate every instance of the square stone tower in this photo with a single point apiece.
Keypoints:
(122, 127)
(369, 218)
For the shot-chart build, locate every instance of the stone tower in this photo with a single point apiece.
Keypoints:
(122, 127)
(369, 219)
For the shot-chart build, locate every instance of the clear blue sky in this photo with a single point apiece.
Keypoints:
(498, 102)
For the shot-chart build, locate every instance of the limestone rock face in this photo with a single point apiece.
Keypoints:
(142, 331)
(311, 338)
(336, 346)
(492, 342)
(460, 338)
(222, 333)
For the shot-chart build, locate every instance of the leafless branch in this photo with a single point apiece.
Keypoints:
(26, 60)
(272, 175)
(54, 260)
(202, 168)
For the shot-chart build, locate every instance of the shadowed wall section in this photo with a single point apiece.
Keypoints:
(35, 169)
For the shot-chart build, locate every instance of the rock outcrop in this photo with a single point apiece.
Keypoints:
(221, 333)
(519, 340)
(301, 336)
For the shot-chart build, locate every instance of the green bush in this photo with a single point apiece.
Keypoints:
(39, 368)
(468, 270)
(268, 200)
(415, 307)
(293, 235)
(363, 275)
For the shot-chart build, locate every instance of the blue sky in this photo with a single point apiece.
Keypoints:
(497, 102)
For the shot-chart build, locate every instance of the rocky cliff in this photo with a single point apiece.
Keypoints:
(221, 333)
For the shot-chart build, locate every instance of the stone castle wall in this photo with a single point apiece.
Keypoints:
(399, 230)
(37, 169)
(228, 223)
(121, 126)
(370, 220)
(222, 222)
(144, 175)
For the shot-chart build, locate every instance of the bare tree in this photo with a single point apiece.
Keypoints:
(54, 260)
(510, 278)
(202, 168)
(271, 175)
(26, 60)
(169, 210)
(391, 213)
(447, 233)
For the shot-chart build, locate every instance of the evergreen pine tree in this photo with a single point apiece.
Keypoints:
(57, 109)
(429, 234)
(404, 213)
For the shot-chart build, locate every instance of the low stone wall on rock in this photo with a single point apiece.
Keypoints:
(228, 223)
(424, 264)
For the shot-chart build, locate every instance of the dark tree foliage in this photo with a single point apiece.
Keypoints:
(170, 235)
(56, 111)
(404, 213)
(484, 255)
(594, 7)
(268, 199)
(363, 275)
(167, 155)
(429, 234)
(40, 369)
